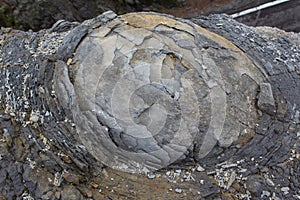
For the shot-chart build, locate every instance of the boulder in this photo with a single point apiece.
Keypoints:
(115, 97)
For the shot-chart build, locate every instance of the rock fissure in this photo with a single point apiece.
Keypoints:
(151, 94)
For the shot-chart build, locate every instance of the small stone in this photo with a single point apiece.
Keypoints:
(285, 190)
(5, 117)
(97, 195)
(254, 185)
(71, 178)
(227, 196)
(48, 195)
(200, 169)
(57, 179)
(69, 61)
(296, 196)
(266, 102)
(8, 138)
(34, 117)
(176, 174)
(270, 182)
(265, 194)
(94, 185)
(151, 176)
(65, 158)
(70, 192)
(231, 180)
(86, 192)
(57, 194)
(25, 196)
(229, 165)
(242, 170)
(292, 129)
(178, 190)
(211, 172)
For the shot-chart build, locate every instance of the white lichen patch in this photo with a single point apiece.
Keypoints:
(34, 116)
(9, 96)
(27, 196)
(32, 163)
(17, 93)
(57, 179)
(45, 142)
(226, 174)
(48, 43)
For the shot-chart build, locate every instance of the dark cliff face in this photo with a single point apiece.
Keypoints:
(62, 110)
(285, 16)
(36, 15)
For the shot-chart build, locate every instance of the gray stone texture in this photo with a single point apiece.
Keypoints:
(173, 93)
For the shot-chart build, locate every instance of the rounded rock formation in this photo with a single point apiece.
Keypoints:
(148, 89)
(142, 91)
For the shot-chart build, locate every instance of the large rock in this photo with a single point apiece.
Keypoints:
(144, 91)
(146, 88)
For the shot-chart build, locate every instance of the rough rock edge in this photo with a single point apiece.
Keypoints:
(269, 158)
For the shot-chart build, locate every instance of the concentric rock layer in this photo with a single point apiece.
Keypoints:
(148, 90)
(170, 94)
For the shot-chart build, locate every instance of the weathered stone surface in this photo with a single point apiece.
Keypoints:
(266, 100)
(147, 88)
(60, 117)
(70, 192)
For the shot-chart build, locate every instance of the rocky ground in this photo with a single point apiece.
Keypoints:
(39, 160)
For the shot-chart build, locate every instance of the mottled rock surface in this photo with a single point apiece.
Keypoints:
(39, 14)
(147, 89)
(213, 102)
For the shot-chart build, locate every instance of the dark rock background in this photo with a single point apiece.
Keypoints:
(36, 15)
(285, 16)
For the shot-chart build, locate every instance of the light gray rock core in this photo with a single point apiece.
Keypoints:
(147, 88)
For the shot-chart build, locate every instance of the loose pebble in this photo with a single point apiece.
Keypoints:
(265, 194)
(178, 190)
(285, 190)
(200, 169)
(151, 176)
